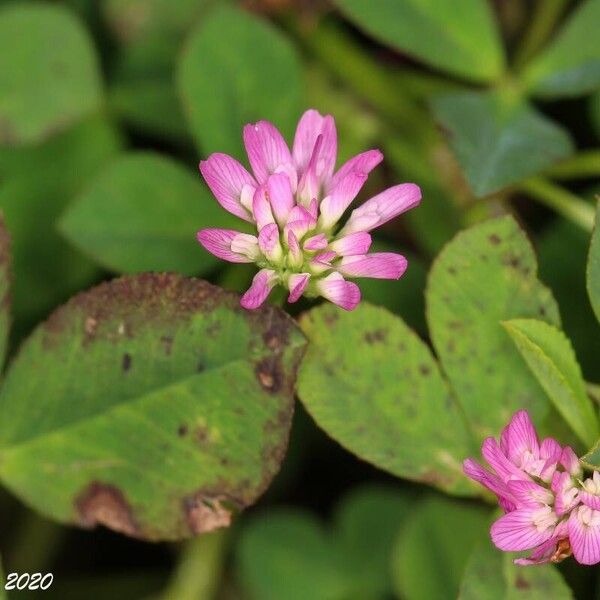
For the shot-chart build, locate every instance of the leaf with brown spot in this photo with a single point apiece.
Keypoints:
(107, 431)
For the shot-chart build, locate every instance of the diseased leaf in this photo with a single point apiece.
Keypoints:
(159, 407)
(486, 275)
(460, 36)
(286, 555)
(498, 141)
(142, 213)
(491, 574)
(434, 546)
(593, 266)
(570, 66)
(37, 184)
(550, 356)
(255, 75)
(49, 75)
(386, 403)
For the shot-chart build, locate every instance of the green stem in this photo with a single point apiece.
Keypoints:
(546, 15)
(560, 200)
(582, 165)
(198, 573)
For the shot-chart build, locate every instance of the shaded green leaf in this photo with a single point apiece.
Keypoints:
(367, 523)
(2, 582)
(49, 74)
(570, 66)
(498, 141)
(166, 407)
(46, 268)
(460, 37)
(486, 275)
(593, 266)
(434, 546)
(388, 403)
(287, 555)
(255, 75)
(142, 213)
(595, 112)
(550, 356)
(5, 289)
(491, 574)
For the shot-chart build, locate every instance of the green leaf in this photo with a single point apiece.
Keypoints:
(166, 407)
(5, 289)
(498, 141)
(434, 546)
(367, 523)
(460, 37)
(570, 66)
(49, 75)
(595, 112)
(387, 403)
(2, 582)
(491, 574)
(142, 213)
(593, 266)
(549, 354)
(46, 268)
(486, 275)
(255, 75)
(287, 555)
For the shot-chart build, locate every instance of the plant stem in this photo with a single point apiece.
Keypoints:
(582, 165)
(542, 24)
(199, 570)
(560, 200)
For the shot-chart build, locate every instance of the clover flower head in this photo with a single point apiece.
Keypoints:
(549, 508)
(296, 200)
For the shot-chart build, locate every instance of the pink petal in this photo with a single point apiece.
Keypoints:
(523, 529)
(521, 438)
(309, 186)
(227, 178)
(591, 500)
(379, 265)
(492, 482)
(294, 247)
(569, 460)
(339, 199)
(311, 125)
(280, 195)
(383, 207)
(257, 293)
(353, 244)
(219, 241)
(316, 242)
(300, 221)
(343, 293)
(541, 555)
(505, 469)
(567, 494)
(261, 208)
(361, 163)
(529, 493)
(268, 241)
(584, 535)
(267, 150)
(297, 284)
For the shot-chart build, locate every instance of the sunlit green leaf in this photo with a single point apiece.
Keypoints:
(498, 141)
(255, 75)
(459, 36)
(166, 407)
(550, 356)
(491, 574)
(49, 74)
(486, 275)
(386, 403)
(142, 214)
(570, 66)
(593, 266)
(434, 546)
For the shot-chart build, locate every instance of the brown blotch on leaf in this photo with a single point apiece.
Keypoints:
(90, 326)
(167, 342)
(494, 239)
(105, 504)
(372, 337)
(268, 373)
(202, 435)
(206, 513)
(182, 430)
(126, 362)
(521, 583)
(424, 369)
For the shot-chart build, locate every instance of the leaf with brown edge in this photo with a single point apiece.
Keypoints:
(152, 404)
(5, 288)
